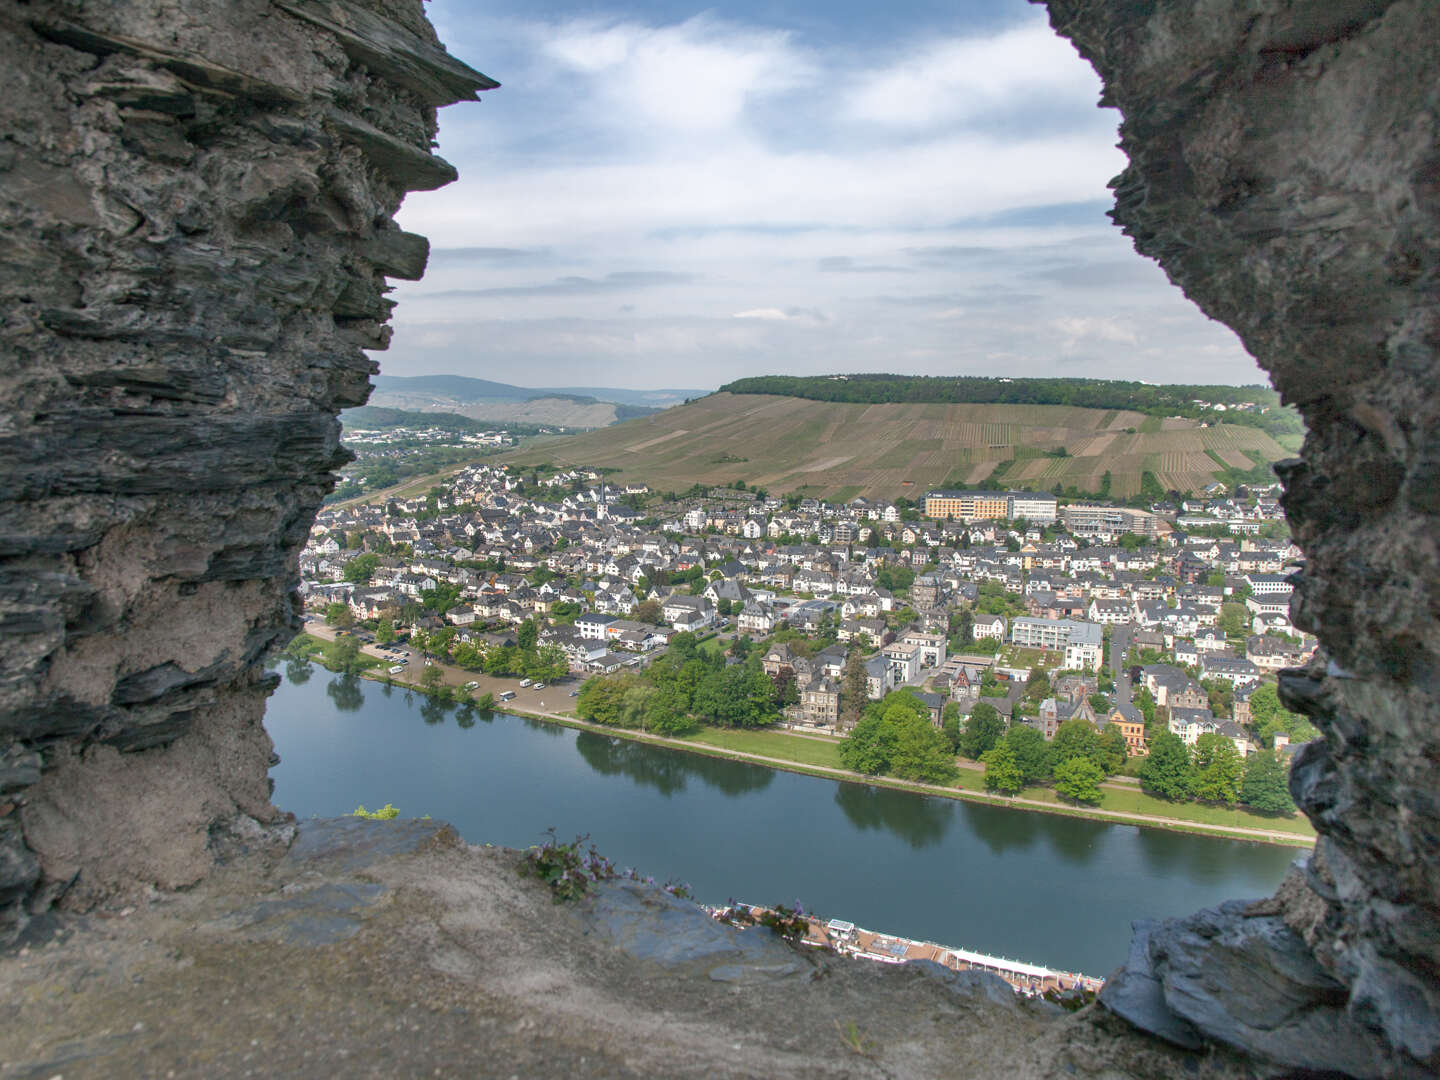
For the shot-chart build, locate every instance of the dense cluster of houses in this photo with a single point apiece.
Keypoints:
(568, 553)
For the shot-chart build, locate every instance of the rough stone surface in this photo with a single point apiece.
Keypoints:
(196, 202)
(1284, 171)
(390, 948)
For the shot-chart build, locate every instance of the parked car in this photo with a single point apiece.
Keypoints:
(524, 683)
(538, 686)
(471, 685)
(506, 695)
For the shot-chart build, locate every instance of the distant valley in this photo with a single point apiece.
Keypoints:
(569, 407)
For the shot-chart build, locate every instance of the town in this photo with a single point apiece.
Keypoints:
(988, 610)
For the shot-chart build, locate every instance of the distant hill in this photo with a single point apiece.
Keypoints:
(380, 418)
(484, 400)
(838, 450)
(1152, 399)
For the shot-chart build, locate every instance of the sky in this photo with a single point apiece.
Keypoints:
(668, 195)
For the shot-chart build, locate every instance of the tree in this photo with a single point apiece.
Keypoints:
(361, 568)
(723, 607)
(1113, 749)
(1034, 756)
(1145, 702)
(1232, 619)
(921, 753)
(385, 631)
(1076, 738)
(1222, 695)
(1218, 767)
(1037, 687)
(1002, 773)
(649, 611)
(339, 614)
(1166, 772)
(869, 746)
(1266, 786)
(854, 688)
(343, 655)
(1100, 703)
(982, 731)
(950, 725)
(665, 712)
(1078, 779)
(526, 634)
(548, 664)
(431, 678)
(1268, 716)
(786, 690)
(601, 699)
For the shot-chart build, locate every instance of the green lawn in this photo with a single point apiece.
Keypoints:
(1018, 657)
(775, 744)
(1137, 802)
(714, 645)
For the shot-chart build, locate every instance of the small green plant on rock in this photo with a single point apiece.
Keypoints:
(1070, 1000)
(857, 1041)
(567, 868)
(385, 813)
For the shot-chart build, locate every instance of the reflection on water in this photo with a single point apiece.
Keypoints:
(298, 670)
(667, 771)
(554, 731)
(919, 821)
(1050, 889)
(434, 711)
(345, 692)
(993, 827)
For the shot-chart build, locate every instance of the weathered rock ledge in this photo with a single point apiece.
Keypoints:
(393, 949)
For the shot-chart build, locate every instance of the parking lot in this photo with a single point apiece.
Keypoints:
(553, 697)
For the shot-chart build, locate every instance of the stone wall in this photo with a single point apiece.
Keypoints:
(1284, 171)
(196, 202)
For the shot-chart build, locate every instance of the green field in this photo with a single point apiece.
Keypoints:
(838, 450)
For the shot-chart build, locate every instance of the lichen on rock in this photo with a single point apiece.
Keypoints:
(196, 225)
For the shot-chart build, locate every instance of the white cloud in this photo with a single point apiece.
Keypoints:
(949, 81)
(665, 183)
(1078, 328)
(697, 76)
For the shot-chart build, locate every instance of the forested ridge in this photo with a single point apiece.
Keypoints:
(1150, 399)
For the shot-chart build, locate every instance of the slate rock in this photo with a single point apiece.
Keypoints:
(650, 924)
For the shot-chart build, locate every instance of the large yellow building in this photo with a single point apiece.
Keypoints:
(968, 505)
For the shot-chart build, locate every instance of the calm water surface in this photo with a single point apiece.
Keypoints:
(1033, 886)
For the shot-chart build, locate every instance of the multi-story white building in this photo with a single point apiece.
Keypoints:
(1082, 642)
(1038, 509)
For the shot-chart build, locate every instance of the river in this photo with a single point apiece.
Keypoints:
(1030, 886)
